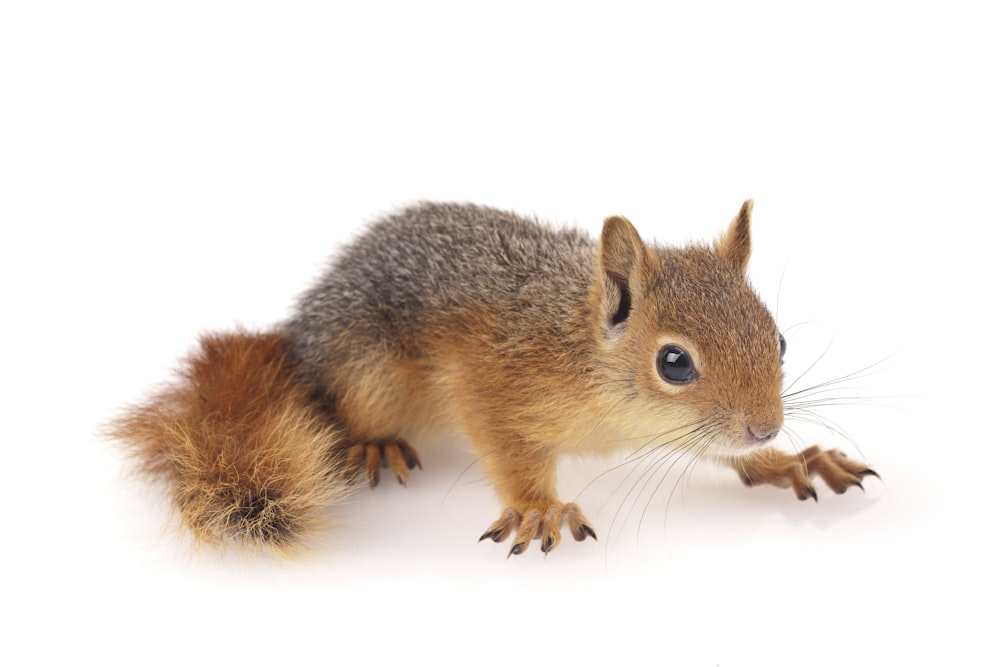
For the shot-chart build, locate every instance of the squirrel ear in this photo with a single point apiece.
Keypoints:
(734, 246)
(621, 259)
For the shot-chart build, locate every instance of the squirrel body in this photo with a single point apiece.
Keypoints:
(532, 341)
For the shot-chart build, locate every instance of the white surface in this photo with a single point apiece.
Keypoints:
(166, 171)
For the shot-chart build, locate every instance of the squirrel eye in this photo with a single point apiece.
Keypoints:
(784, 346)
(675, 366)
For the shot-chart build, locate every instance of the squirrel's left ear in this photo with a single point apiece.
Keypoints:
(734, 246)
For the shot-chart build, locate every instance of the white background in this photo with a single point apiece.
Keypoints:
(169, 168)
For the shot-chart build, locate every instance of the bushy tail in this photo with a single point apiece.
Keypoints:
(248, 457)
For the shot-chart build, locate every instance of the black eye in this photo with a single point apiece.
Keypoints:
(784, 346)
(675, 365)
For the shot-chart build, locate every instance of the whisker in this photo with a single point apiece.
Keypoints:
(605, 416)
(676, 455)
(831, 426)
(696, 456)
(855, 375)
(631, 460)
(664, 448)
(692, 448)
(812, 366)
(837, 402)
(689, 425)
(451, 488)
(777, 298)
(645, 466)
(635, 463)
(790, 330)
(638, 455)
(798, 442)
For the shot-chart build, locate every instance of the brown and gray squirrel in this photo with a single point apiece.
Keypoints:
(530, 341)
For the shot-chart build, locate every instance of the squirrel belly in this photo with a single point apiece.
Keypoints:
(249, 457)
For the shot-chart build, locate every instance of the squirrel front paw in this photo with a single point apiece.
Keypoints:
(539, 521)
(769, 466)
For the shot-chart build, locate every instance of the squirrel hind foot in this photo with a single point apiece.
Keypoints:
(395, 454)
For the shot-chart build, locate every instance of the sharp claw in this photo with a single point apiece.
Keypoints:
(517, 549)
(492, 534)
(812, 492)
(547, 544)
(869, 471)
(588, 531)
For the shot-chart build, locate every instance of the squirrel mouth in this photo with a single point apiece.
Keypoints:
(740, 447)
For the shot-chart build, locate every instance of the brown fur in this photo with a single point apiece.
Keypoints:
(532, 342)
(248, 458)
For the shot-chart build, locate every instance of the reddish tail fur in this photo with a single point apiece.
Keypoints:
(247, 454)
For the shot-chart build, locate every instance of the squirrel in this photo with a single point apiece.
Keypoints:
(531, 341)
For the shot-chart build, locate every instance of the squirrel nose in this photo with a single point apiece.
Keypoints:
(760, 432)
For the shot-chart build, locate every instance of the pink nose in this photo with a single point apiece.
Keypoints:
(760, 433)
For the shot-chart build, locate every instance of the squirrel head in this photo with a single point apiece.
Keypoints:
(691, 340)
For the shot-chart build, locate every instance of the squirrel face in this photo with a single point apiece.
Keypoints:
(702, 351)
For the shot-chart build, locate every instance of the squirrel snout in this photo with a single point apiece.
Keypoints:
(762, 424)
(763, 430)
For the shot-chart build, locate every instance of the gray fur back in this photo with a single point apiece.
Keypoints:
(429, 260)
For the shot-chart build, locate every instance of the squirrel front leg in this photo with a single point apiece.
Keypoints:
(524, 476)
